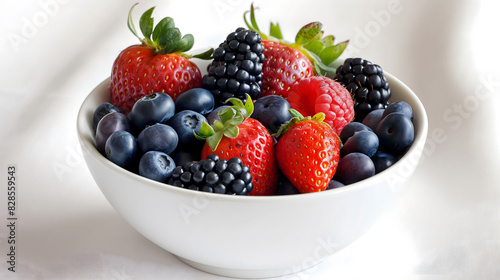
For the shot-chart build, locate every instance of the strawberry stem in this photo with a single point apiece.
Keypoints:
(230, 118)
(321, 51)
(165, 38)
(297, 118)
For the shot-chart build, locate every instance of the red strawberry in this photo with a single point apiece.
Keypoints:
(238, 136)
(159, 64)
(322, 94)
(308, 152)
(283, 66)
(287, 62)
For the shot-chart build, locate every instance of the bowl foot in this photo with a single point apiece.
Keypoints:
(242, 273)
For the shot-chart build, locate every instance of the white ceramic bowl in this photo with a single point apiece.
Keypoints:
(250, 237)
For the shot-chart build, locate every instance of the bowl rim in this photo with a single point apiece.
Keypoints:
(84, 129)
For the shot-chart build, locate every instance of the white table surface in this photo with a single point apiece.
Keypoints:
(54, 52)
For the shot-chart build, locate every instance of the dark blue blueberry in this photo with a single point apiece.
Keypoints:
(399, 107)
(197, 99)
(110, 123)
(101, 111)
(272, 112)
(186, 123)
(350, 129)
(156, 166)
(334, 184)
(395, 133)
(183, 156)
(151, 109)
(285, 187)
(121, 148)
(353, 168)
(373, 119)
(363, 141)
(158, 137)
(383, 160)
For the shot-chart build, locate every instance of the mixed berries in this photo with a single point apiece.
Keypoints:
(266, 118)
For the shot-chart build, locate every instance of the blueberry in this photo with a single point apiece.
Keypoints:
(121, 148)
(158, 137)
(183, 156)
(285, 187)
(110, 123)
(373, 118)
(353, 168)
(186, 123)
(363, 141)
(399, 107)
(272, 112)
(197, 99)
(156, 166)
(101, 111)
(334, 184)
(350, 129)
(395, 132)
(383, 160)
(151, 109)
(214, 115)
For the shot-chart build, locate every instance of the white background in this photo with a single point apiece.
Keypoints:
(54, 52)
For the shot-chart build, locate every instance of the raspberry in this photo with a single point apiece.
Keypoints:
(367, 84)
(322, 94)
(214, 175)
(236, 69)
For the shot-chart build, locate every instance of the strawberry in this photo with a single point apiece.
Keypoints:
(322, 94)
(287, 62)
(238, 135)
(159, 64)
(307, 152)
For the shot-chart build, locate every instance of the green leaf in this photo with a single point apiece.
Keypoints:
(275, 31)
(163, 25)
(248, 106)
(214, 140)
(252, 18)
(218, 125)
(188, 42)
(314, 46)
(231, 131)
(236, 120)
(205, 131)
(146, 23)
(236, 102)
(130, 22)
(330, 54)
(308, 32)
(295, 114)
(226, 114)
(328, 40)
(205, 55)
(168, 40)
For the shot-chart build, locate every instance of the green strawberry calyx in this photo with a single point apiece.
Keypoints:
(310, 40)
(227, 126)
(165, 38)
(297, 118)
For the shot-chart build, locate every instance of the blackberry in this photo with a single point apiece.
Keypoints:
(367, 84)
(236, 69)
(214, 175)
